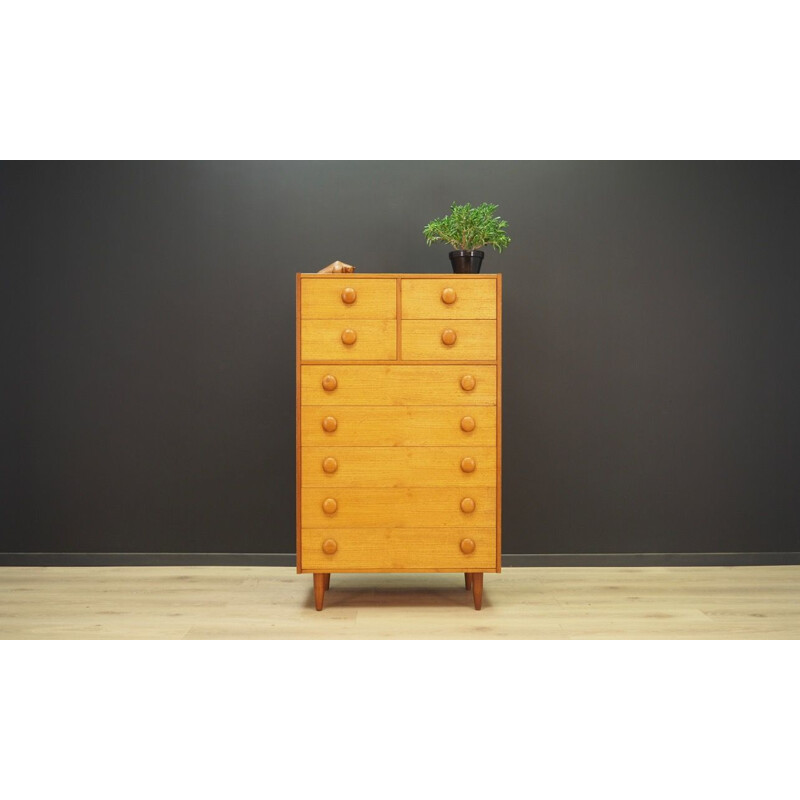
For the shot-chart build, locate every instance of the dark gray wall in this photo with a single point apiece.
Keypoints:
(652, 343)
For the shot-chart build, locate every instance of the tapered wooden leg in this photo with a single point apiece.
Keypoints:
(477, 589)
(467, 580)
(327, 581)
(319, 589)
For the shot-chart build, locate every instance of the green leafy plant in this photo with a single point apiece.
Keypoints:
(468, 228)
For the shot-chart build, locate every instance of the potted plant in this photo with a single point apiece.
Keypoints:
(467, 229)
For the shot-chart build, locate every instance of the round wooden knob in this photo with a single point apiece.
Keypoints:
(349, 336)
(348, 295)
(467, 546)
(449, 336)
(467, 505)
(329, 383)
(448, 295)
(329, 546)
(467, 424)
(329, 505)
(468, 383)
(330, 424)
(467, 465)
(330, 465)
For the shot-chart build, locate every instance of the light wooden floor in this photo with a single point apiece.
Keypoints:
(520, 603)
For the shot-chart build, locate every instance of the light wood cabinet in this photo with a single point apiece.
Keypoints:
(398, 425)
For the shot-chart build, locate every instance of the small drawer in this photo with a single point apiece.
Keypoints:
(398, 426)
(326, 297)
(451, 507)
(398, 385)
(341, 466)
(449, 298)
(388, 549)
(449, 340)
(343, 340)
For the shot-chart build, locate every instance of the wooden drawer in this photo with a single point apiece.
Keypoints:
(398, 508)
(322, 340)
(475, 340)
(362, 467)
(398, 426)
(470, 298)
(325, 297)
(398, 550)
(399, 385)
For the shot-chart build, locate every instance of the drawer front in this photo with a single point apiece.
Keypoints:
(398, 508)
(327, 339)
(362, 467)
(397, 385)
(426, 549)
(398, 426)
(326, 297)
(448, 298)
(425, 339)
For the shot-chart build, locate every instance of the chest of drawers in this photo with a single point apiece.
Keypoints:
(398, 425)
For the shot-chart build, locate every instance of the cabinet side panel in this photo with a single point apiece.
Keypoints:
(297, 445)
(499, 412)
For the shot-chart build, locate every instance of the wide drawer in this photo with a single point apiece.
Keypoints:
(449, 340)
(445, 298)
(399, 508)
(341, 340)
(326, 297)
(389, 467)
(398, 385)
(409, 426)
(410, 549)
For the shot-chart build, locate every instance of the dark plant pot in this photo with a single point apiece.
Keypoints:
(466, 260)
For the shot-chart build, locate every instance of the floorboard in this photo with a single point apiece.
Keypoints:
(202, 602)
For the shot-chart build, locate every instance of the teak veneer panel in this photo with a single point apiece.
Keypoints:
(321, 339)
(398, 384)
(476, 340)
(391, 467)
(398, 426)
(399, 508)
(475, 298)
(399, 550)
(322, 299)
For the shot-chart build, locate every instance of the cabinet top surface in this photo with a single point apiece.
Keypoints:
(438, 275)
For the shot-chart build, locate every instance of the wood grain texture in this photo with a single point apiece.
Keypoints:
(399, 550)
(477, 590)
(474, 299)
(323, 298)
(319, 590)
(170, 603)
(391, 467)
(399, 329)
(321, 339)
(398, 426)
(475, 339)
(398, 508)
(398, 385)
